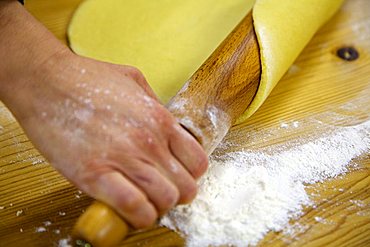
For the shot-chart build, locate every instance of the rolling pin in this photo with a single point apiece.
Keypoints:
(206, 106)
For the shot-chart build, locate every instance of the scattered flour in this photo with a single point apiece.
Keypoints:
(40, 229)
(47, 223)
(294, 124)
(246, 194)
(358, 203)
(65, 242)
(294, 69)
(284, 125)
(19, 212)
(319, 219)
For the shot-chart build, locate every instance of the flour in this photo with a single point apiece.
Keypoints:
(19, 212)
(47, 223)
(65, 242)
(40, 229)
(246, 194)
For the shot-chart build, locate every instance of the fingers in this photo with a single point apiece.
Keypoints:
(180, 159)
(179, 176)
(140, 191)
(188, 151)
(131, 203)
(158, 188)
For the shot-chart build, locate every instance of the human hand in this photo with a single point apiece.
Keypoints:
(101, 126)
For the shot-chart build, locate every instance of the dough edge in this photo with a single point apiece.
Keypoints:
(301, 20)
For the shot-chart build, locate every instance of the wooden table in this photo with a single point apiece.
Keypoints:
(38, 207)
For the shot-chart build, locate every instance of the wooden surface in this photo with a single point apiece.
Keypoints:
(34, 197)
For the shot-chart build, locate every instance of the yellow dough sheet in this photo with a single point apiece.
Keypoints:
(168, 40)
(283, 29)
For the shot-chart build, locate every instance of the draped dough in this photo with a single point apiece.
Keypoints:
(169, 39)
(283, 29)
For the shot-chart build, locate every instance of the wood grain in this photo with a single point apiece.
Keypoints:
(318, 82)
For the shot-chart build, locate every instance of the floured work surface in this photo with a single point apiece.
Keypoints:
(320, 92)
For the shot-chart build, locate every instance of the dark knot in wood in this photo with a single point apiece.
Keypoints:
(348, 53)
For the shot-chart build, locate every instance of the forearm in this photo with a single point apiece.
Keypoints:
(25, 45)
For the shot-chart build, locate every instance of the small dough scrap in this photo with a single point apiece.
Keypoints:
(168, 40)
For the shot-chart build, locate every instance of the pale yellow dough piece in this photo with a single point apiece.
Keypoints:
(168, 40)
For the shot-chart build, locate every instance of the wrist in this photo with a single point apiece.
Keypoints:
(34, 88)
(26, 47)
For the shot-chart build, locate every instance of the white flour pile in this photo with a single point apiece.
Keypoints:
(246, 194)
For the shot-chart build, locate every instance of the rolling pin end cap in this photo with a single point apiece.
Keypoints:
(99, 226)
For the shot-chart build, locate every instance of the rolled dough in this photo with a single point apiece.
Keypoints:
(168, 40)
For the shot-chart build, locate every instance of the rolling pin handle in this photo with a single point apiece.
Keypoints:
(108, 231)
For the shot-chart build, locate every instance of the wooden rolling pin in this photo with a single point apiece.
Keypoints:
(207, 105)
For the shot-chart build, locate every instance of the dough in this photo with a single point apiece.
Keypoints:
(168, 40)
(283, 29)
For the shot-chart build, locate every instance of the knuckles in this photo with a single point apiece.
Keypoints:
(201, 165)
(88, 174)
(130, 202)
(169, 199)
(188, 193)
(137, 206)
(136, 75)
(163, 117)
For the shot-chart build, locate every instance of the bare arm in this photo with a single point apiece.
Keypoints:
(99, 124)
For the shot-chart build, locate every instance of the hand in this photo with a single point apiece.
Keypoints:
(101, 126)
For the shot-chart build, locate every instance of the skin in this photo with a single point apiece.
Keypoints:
(98, 124)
